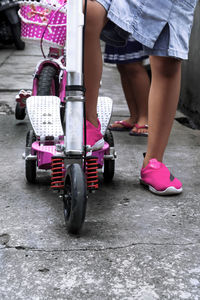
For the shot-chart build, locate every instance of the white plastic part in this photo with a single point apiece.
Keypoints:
(44, 115)
(104, 111)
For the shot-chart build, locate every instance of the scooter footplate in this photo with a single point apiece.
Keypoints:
(104, 110)
(44, 115)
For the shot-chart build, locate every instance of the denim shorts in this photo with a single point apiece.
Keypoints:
(162, 26)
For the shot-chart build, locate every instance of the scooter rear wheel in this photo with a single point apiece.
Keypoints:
(20, 113)
(109, 164)
(30, 165)
(75, 198)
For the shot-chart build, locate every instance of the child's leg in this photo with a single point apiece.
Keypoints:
(163, 99)
(136, 85)
(127, 85)
(139, 85)
(127, 89)
(96, 19)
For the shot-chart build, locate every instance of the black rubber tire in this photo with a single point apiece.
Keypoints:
(109, 165)
(30, 165)
(75, 198)
(16, 31)
(47, 76)
(20, 113)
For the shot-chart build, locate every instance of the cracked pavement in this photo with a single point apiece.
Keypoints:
(134, 245)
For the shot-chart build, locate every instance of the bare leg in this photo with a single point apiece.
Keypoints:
(127, 89)
(135, 83)
(163, 99)
(96, 19)
(139, 86)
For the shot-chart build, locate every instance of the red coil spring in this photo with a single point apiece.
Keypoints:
(57, 174)
(92, 173)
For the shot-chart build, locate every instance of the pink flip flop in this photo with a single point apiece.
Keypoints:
(139, 133)
(125, 126)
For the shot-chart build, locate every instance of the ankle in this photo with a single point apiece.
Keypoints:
(93, 120)
(132, 120)
(145, 162)
(142, 121)
(147, 158)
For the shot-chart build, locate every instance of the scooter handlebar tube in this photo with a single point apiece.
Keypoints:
(74, 108)
(74, 39)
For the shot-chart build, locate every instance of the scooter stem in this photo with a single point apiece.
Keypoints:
(74, 40)
(74, 110)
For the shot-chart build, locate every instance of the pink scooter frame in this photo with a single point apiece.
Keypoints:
(45, 152)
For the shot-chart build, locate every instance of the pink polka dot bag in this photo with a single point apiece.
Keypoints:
(44, 20)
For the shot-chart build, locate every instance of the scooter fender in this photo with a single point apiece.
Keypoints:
(12, 16)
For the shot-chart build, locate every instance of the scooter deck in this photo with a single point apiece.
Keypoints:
(44, 115)
(104, 111)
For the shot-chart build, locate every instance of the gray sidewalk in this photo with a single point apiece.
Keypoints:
(134, 245)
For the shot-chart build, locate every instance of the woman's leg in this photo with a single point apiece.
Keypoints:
(163, 100)
(96, 19)
(136, 84)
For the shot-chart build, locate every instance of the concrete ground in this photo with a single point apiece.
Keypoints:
(134, 245)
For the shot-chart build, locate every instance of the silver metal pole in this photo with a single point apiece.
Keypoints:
(74, 98)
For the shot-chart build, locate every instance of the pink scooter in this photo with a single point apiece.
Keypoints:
(56, 110)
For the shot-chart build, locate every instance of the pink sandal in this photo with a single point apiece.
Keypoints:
(125, 126)
(136, 133)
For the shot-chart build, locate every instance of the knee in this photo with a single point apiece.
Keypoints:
(95, 18)
(165, 66)
(131, 69)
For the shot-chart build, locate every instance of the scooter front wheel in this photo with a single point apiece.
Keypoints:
(75, 198)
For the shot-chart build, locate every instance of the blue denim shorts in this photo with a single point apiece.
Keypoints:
(162, 26)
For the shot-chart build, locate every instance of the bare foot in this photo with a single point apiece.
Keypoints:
(140, 128)
(126, 124)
